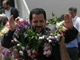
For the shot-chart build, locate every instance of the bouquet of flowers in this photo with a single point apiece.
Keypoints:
(3, 29)
(35, 40)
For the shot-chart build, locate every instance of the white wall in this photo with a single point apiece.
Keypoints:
(22, 8)
(59, 7)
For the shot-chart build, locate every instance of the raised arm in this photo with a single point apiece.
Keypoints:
(6, 40)
(72, 32)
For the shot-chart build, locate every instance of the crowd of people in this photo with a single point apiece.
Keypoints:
(66, 49)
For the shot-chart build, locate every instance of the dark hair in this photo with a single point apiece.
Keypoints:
(3, 20)
(7, 2)
(73, 8)
(37, 11)
(61, 17)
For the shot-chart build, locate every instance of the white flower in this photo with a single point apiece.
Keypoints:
(21, 19)
(50, 36)
(55, 36)
(48, 53)
(3, 15)
(43, 36)
(3, 31)
(18, 44)
(58, 24)
(15, 40)
(58, 37)
(29, 52)
(23, 48)
(21, 53)
(44, 53)
(47, 38)
(50, 41)
(40, 38)
(64, 28)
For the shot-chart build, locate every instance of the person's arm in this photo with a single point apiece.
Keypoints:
(6, 40)
(63, 51)
(71, 33)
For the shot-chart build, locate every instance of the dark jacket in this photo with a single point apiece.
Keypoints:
(69, 36)
(14, 12)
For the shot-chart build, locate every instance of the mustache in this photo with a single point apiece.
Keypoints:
(38, 27)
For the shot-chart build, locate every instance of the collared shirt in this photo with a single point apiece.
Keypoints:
(76, 24)
(8, 13)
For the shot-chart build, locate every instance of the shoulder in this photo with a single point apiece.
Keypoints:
(78, 19)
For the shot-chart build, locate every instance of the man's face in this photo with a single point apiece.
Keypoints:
(72, 13)
(38, 22)
(4, 5)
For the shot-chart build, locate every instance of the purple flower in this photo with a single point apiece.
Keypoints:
(42, 38)
(52, 38)
(25, 22)
(6, 52)
(22, 29)
(26, 26)
(51, 34)
(57, 31)
(20, 25)
(17, 29)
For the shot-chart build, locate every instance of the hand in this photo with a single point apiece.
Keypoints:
(68, 21)
(12, 23)
(62, 41)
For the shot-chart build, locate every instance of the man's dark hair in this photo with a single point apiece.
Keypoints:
(7, 2)
(37, 11)
(73, 8)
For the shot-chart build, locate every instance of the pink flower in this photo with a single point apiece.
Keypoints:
(7, 24)
(33, 55)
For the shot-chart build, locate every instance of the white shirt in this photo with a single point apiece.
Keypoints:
(8, 13)
(76, 22)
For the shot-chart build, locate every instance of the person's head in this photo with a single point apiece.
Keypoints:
(38, 19)
(6, 4)
(73, 11)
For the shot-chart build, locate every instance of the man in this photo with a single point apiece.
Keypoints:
(38, 20)
(72, 47)
(8, 10)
